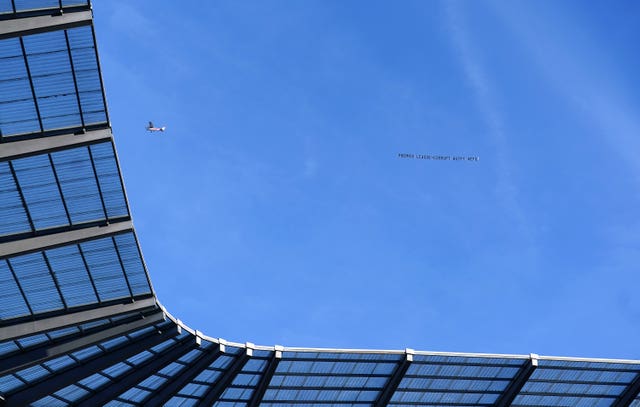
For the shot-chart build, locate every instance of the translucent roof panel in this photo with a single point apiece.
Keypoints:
(316, 377)
(449, 380)
(6, 6)
(79, 274)
(576, 383)
(72, 187)
(13, 217)
(50, 81)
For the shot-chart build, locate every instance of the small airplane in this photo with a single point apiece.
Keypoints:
(151, 127)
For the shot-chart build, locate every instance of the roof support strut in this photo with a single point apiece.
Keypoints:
(394, 380)
(525, 372)
(169, 389)
(263, 384)
(221, 385)
(49, 144)
(111, 390)
(630, 394)
(33, 25)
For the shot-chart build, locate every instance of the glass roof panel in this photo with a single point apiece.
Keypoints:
(39, 188)
(36, 281)
(132, 262)
(177, 401)
(13, 303)
(52, 78)
(135, 395)
(78, 184)
(17, 108)
(153, 382)
(49, 401)
(72, 393)
(72, 275)
(63, 69)
(5, 6)
(35, 4)
(13, 217)
(109, 179)
(94, 381)
(105, 268)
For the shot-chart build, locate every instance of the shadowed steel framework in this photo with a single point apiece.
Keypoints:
(80, 323)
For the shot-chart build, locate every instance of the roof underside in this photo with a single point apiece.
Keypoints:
(79, 320)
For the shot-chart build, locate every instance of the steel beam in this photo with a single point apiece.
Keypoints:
(112, 390)
(73, 318)
(514, 388)
(100, 362)
(72, 343)
(161, 395)
(38, 24)
(221, 385)
(51, 241)
(394, 381)
(16, 149)
(265, 379)
(629, 395)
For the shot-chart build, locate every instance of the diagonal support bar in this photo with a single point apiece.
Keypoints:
(265, 379)
(73, 318)
(629, 395)
(38, 24)
(221, 385)
(394, 380)
(67, 345)
(171, 388)
(43, 145)
(111, 390)
(512, 391)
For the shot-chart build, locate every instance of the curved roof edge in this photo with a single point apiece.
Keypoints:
(80, 323)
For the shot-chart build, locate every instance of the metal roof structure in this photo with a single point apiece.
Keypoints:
(79, 320)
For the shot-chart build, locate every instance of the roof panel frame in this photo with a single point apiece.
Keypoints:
(265, 378)
(518, 382)
(49, 241)
(71, 343)
(21, 26)
(392, 384)
(48, 323)
(12, 150)
(630, 393)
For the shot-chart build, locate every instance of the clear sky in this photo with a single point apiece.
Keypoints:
(275, 208)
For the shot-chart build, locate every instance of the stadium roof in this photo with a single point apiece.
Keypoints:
(79, 320)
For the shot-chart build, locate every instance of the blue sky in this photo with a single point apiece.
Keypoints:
(275, 209)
